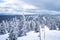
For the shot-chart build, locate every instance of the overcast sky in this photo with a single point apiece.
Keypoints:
(20, 6)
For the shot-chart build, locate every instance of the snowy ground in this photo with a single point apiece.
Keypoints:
(52, 35)
(49, 35)
(30, 36)
(3, 37)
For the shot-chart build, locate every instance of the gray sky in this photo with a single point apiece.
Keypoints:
(20, 6)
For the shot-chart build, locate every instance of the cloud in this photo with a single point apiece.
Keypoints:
(46, 4)
(15, 6)
(30, 6)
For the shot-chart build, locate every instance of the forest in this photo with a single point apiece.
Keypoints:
(19, 25)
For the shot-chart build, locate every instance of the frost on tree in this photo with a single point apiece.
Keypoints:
(13, 29)
(37, 26)
(2, 28)
(22, 27)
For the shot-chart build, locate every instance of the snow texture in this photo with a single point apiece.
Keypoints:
(49, 35)
(30, 36)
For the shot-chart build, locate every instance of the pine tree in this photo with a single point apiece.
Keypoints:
(2, 27)
(13, 29)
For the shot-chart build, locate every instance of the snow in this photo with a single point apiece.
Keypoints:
(30, 36)
(52, 35)
(3, 37)
(46, 28)
(49, 35)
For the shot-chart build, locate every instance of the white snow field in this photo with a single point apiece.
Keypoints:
(52, 35)
(3, 37)
(49, 35)
(30, 36)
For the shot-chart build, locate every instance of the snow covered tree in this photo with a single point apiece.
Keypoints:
(37, 26)
(32, 25)
(20, 29)
(6, 25)
(27, 26)
(23, 25)
(14, 29)
(2, 27)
